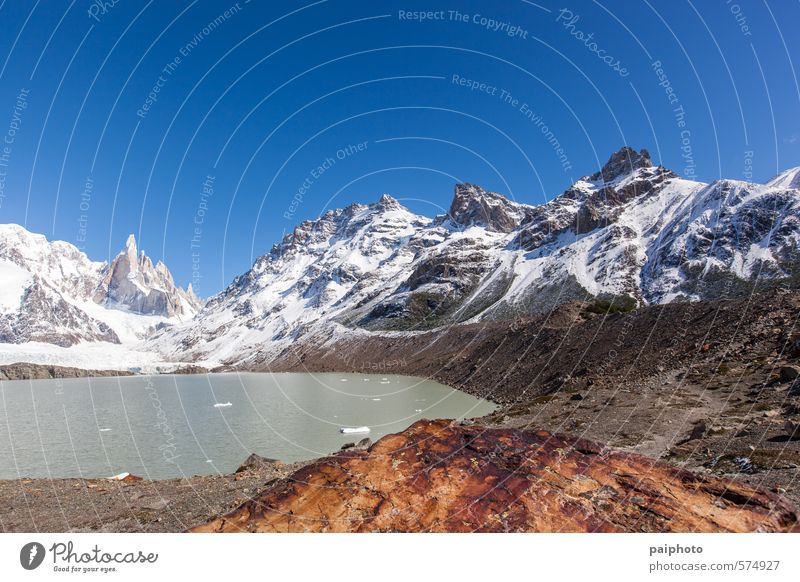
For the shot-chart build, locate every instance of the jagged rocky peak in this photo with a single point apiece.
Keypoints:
(621, 163)
(133, 283)
(388, 202)
(474, 206)
(130, 248)
(192, 295)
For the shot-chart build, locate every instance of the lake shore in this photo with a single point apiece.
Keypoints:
(132, 506)
(30, 371)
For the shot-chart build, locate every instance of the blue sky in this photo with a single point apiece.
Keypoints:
(209, 129)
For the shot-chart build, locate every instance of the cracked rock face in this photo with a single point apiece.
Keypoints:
(441, 477)
(474, 206)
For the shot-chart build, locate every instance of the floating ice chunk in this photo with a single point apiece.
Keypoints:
(356, 430)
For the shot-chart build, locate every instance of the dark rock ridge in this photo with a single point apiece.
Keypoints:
(25, 371)
(530, 357)
(622, 163)
(474, 206)
(437, 476)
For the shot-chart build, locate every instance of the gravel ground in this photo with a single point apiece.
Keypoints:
(102, 505)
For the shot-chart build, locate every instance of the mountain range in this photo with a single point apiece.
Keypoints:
(633, 233)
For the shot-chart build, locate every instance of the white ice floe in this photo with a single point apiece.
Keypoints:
(356, 430)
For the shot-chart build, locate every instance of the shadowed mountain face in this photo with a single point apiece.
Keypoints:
(632, 230)
(441, 477)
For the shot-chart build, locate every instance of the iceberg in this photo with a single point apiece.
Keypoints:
(356, 430)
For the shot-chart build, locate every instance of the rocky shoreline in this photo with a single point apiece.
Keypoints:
(26, 371)
(130, 505)
(436, 476)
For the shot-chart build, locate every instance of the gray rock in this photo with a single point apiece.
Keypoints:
(789, 373)
(255, 462)
(792, 429)
(621, 163)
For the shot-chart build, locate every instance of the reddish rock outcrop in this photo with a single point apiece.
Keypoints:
(444, 477)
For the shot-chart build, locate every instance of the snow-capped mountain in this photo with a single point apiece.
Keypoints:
(631, 230)
(51, 292)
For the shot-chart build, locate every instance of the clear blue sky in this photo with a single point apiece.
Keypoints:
(272, 90)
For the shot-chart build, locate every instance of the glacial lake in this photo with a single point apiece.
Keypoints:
(162, 427)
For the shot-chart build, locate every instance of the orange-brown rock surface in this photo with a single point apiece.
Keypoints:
(444, 477)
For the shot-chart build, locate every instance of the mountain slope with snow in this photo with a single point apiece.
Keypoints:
(631, 230)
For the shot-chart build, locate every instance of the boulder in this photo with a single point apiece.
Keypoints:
(439, 476)
(793, 430)
(255, 462)
(789, 373)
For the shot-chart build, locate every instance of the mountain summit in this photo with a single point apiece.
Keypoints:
(622, 163)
